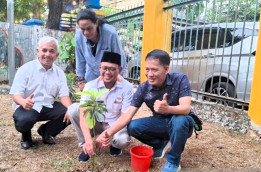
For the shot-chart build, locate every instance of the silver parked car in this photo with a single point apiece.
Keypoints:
(217, 58)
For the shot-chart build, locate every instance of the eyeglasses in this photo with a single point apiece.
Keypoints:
(110, 69)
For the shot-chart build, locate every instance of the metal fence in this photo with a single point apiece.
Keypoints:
(213, 42)
(129, 25)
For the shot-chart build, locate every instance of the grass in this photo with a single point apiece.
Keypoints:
(62, 164)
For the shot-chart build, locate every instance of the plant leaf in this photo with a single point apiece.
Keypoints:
(97, 116)
(94, 93)
(64, 55)
(93, 107)
(84, 93)
(101, 92)
(90, 121)
(85, 112)
(68, 47)
(73, 41)
(83, 105)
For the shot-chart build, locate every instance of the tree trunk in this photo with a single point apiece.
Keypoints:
(55, 12)
(56, 8)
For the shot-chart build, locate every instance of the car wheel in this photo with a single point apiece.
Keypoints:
(221, 91)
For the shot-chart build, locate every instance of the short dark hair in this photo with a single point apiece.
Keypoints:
(88, 14)
(161, 55)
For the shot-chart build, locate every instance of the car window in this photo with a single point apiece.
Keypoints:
(194, 39)
(226, 33)
(207, 38)
(240, 34)
(185, 40)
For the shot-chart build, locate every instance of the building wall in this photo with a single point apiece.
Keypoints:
(121, 4)
(25, 42)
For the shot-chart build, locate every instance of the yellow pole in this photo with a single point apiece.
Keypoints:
(254, 104)
(156, 22)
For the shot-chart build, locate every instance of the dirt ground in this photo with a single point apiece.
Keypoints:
(216, 149)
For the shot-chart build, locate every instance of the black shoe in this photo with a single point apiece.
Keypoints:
(25, 144)
(26, 140)
(47, 139)
(83, 157)
(28, 144)
(115, 151)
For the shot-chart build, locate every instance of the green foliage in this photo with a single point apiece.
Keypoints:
(67, 50)
(70, 82)
(234, 11)
(191, 11)
(22, 9)
(93, 108)
(137, 45)
(134, 33)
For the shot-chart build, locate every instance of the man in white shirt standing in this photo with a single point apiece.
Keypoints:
(117, 101)
(35, 88)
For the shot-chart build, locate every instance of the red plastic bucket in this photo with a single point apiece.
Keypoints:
(141, 158)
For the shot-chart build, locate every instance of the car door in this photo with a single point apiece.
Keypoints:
(191, 55)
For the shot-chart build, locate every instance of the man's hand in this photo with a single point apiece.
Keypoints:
(66, 118)
(161, 106)
(103, 140)
(28, 103)
(88, 148)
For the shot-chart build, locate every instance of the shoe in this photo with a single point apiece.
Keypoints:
(26, 140)
(28, 144)
(170, 167)
(25, 144)
(160, 152)
(83, 157)
(115, 151)
(49, 140)
(46, 138)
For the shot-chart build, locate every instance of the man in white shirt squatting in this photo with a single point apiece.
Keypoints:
(117, 101)
(35, 87)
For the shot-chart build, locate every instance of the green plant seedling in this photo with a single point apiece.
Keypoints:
(94, 110)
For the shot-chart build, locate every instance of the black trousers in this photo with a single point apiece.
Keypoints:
(25, 119)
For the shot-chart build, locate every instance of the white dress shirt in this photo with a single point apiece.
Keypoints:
(117, 99)
(46, 85)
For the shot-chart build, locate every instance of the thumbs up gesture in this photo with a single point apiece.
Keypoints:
(107, 139)
(28, 103)
(161, 106)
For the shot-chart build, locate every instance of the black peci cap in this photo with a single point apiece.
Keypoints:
(111, 58)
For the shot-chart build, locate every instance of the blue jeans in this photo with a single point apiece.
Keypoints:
(153, 130)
